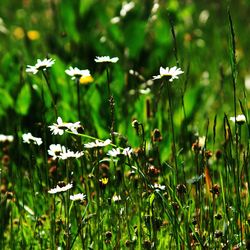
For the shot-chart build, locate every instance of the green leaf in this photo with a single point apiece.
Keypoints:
(85, 6)
(23, 100)
(6, 101)
(151, 199)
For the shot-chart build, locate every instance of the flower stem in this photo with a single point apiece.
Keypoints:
(50, 91)
(78, 99)
(111, 106)
(173, 131)
(92, 138)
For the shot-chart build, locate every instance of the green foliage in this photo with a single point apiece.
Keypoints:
(23, 100)
(186, 184)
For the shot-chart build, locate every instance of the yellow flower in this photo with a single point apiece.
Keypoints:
(104, 181)
(18, 33)
(86, 79)
(33, 35)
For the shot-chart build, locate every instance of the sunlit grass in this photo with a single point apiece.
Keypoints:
(122, 157)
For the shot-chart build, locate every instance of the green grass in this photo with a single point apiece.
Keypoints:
(182, 137)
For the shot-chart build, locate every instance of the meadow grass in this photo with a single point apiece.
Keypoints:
(121, 152)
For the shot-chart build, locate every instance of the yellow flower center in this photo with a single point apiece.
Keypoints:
(86, 79)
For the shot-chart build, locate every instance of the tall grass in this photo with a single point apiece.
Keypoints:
(178, 173)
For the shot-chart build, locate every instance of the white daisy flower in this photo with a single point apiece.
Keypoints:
(6, 138)
(117, 151)
(240, 119)
(76, 73)
(77, 197)
(106, 59)
(114, 152)
(60, 126)
(40, 65)
(127, 151)
(58, 151)
(59, 189)
(169, 73)
(116, 198)
(158, 186)
(55, 150)
(70, 154)
(97, 144)
(29, 138)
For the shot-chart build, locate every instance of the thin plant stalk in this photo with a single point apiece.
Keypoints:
(173, 131)
(50, 91)
(111, 105)
(234, 79)
(98, 212)
(78, 98)
(171, 22)
(67, 218)
(45, 157)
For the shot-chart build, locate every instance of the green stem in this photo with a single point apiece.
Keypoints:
(92, 138)
(78, 99)
(50, 91)
(173, 131)
(111, 106)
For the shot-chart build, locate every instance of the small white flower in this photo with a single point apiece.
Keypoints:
(3, 29)
(29, 138)
(40, 65)
(203, 17)
(6, 138)
(106, 59)
(240, 119)
(76, 73)
(155, 7)
(97, 144)
(144, 91)
(60, 126)
(115, 20)
(70, 154)
(116, 198)
(59, 189)
(201, 141)
(127, 151)
(114, 152)
(55, 150)
(169, 73)
(247, 82)
(76, 197)
(117, 151)
(159, 186)
(126, 7)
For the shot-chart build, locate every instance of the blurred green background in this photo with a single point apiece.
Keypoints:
(74, 32)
